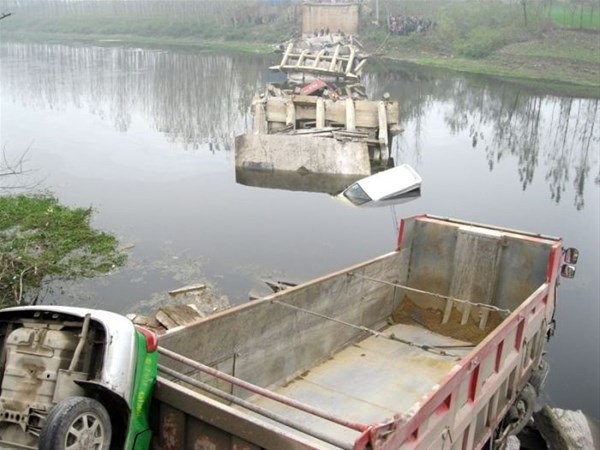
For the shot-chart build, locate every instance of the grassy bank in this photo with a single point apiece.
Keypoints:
(497, 39)
(500, 39)
(41, 240)
(580, 16)
(568, 60)
(132, 40)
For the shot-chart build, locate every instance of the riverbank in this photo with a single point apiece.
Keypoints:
(560, 61)
(42, 240)
(532, 45)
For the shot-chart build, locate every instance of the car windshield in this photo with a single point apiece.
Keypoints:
(356, 194)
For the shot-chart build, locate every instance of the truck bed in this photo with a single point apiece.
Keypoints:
(429, 343)
(369, 381)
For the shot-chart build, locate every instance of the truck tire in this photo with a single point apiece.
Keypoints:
(78, 423)
(520, 413)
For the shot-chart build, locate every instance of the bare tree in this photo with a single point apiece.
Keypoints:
(13, 174)
(524, 4)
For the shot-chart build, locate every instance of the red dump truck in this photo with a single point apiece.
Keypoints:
(436, 345)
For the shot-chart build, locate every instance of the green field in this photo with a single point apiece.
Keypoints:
(585, 17)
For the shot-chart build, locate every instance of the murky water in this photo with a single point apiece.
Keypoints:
(146, 138)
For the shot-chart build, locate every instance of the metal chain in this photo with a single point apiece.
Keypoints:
(428, 348)
(433, 294)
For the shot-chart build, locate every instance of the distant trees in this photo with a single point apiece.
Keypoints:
(524, 5)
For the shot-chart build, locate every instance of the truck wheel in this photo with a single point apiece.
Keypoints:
(76, 423)
(520, 413)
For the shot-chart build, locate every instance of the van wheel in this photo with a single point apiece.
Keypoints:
(76, 423)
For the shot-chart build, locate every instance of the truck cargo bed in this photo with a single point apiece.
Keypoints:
(369, 381)
(427, 345)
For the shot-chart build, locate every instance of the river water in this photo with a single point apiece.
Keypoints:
(146, 138)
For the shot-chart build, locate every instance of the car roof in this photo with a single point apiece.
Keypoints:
(391, 182)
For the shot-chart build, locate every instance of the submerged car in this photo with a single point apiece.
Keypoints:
(396, 185)
(74, 378)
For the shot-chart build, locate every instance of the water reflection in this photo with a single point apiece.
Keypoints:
(557, 136)
(201, 101)
(196, 99)
(331, 184)
(476, 143)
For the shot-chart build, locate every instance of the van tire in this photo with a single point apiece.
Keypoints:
(77, 420)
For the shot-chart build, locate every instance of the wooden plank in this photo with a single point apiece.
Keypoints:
(312, 56)
(301, 58)
(260, 117)
(334, 60)
(305, 99)
(350, 115)
(485, 314)
(172, 316)
(366, 112)
(189, 288)
(383, 128)
(320, 113)
(290, 115)
(315, 130)
(350, 60)
(447, 311)
(318, 58)
(359, 67)
(286, 55)
(392, 110)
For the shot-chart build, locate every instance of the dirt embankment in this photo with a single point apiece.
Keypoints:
(559, 56)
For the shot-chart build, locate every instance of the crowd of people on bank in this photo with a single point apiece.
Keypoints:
(405, 25)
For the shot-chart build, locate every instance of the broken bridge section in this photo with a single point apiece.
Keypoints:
(320, 120)
(312, 154)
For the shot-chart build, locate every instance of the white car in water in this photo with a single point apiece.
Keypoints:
(396, 185)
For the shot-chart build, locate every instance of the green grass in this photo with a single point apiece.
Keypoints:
(41, 239)
(576, 16)
(563, 49)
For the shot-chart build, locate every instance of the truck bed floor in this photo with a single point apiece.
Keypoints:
(368, 382)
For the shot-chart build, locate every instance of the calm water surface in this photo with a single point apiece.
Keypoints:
(146, 138)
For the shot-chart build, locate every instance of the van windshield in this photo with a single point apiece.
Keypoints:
(356, 194)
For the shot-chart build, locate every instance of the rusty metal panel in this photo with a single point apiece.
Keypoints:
(172, 428)
(240, 444)
(202, 436)
(190, 420)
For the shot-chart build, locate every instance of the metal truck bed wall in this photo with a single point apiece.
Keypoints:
(327, 343)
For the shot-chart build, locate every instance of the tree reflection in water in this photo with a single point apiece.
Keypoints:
(201, 101)
(558, 135)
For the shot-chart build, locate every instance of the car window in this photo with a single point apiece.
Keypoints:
(356, 194)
